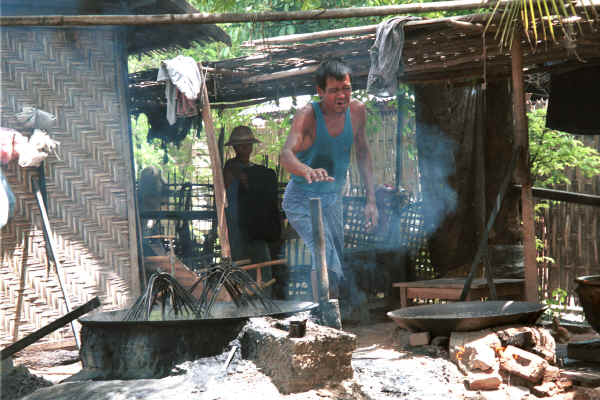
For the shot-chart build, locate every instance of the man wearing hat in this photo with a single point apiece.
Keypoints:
(252, 212)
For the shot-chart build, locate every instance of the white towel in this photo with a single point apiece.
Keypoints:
(182, 73)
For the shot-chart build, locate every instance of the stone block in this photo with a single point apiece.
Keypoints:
(484, 381)
(523, 364)
(419, 339)
(322, 356)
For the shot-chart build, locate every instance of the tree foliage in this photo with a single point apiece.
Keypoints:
(553, 152)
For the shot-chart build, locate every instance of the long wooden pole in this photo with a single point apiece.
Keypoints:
(320, 250)
(219, 18)
(51, 327)
(51, 247)
(523, 173)
(217, 174)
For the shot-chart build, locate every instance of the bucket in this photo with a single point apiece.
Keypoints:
(507, 261)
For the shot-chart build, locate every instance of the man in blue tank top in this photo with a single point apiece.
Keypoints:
(317, 154)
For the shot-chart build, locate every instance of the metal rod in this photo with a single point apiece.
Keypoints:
(52, 250)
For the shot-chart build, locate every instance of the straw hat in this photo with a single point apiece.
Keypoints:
(241, 135)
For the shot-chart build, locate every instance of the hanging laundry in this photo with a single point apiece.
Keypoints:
(30, 152)
(7, 201)
(386, 56)
(181, 74)
(10, 140)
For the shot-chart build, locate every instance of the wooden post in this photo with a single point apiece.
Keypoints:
(217, 174)
(523, 174)
(40, 333)
(320, 250)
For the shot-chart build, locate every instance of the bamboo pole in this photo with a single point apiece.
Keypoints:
(23, 274)
(219, 18)
(523, 173)
(217, 174)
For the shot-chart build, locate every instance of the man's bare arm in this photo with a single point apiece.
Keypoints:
(294, 143)
(365, 165)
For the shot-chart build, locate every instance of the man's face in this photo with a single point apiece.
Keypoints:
(243, 150)
(336, 95)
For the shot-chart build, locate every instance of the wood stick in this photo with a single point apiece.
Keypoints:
(51, 247)
(320, 251)
(356, 30)
(264, 264)
(562, 195)
(280, 75)
(21, 285)
(59, 323)
(219, 18)
(217, 174)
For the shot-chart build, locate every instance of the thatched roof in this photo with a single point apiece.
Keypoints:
(443, 49)
(140, 39)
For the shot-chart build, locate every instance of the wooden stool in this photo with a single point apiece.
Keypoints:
(451, 288)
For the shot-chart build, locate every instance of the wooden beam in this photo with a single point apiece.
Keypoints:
(219, 18)
(217, 174)
(562, 195)
(280, 75)
(523, 174)
(331, 33)
(51, 327)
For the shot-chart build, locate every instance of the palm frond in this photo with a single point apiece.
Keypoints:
(538, 19)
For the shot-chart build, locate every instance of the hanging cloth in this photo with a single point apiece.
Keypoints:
(386, 56)
(181, 74)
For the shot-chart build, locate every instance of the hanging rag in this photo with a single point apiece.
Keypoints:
(181, 74)
(386, 56)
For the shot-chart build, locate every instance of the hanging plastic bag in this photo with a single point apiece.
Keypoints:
(7, 201)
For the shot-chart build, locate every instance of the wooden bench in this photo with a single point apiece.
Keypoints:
(451, 288)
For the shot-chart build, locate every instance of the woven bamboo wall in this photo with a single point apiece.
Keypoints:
(571, 235)
(78, 75)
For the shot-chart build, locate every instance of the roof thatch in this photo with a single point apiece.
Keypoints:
(443, 49)
(140, 39)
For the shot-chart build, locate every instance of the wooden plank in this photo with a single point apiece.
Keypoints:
(59, 323)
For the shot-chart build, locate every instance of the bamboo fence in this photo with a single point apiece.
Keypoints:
(569, 233)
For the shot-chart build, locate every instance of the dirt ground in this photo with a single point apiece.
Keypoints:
(381, 371)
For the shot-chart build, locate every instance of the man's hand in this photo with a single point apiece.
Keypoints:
(317, 175)
(371, 216)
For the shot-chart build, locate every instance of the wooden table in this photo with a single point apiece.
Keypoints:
(451, 288)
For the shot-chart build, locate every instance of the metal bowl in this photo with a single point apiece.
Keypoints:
(588, 289)
(442, 319)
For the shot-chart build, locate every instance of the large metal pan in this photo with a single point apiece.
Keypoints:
(441, 319)
(116, 349)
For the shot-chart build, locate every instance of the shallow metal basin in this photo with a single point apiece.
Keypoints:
(442, 319)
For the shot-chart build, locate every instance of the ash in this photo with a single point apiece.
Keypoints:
(388, 374)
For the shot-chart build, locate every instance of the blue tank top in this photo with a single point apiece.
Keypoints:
(327, 152)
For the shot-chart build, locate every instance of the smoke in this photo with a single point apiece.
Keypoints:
(437, 165)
